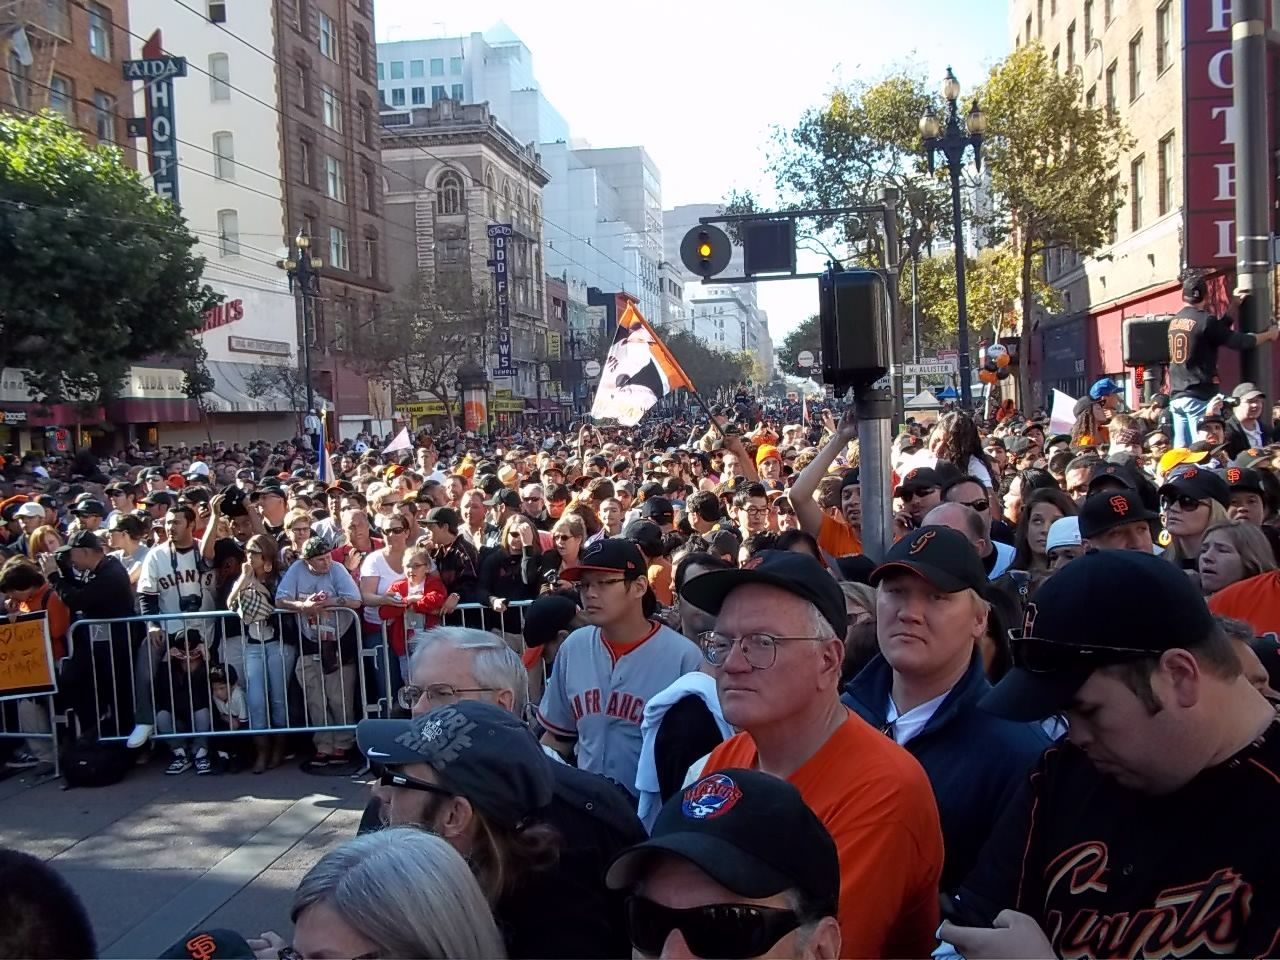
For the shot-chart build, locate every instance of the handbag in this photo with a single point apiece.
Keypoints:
(253, 605)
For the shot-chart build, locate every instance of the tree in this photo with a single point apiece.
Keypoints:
(99, 272)
(806, 336)
(434, 327)
(198, 383)
(279, 381)
(1052, 161)
(710, 370)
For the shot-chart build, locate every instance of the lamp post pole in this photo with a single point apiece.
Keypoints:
(304, 281)
(951, 138)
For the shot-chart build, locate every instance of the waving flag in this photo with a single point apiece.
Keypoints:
(638, 372)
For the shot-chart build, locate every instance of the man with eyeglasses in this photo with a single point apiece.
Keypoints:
(1149, 831)
(923, 688)
(968, 491)
(778, 643)
(605, 673)
(737, 866)
(533, 504)
(751, 509)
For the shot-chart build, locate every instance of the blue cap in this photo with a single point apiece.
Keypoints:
(1104, 388)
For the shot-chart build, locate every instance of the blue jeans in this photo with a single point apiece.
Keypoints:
(1187, 412)
(267, 669)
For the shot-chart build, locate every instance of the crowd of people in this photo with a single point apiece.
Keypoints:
(642, 691)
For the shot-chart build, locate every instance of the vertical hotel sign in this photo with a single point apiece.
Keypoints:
(500, 234)
(157, 71)
(1209, 135)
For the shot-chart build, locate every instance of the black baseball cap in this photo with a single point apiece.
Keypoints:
(1244, 479)
(160, 497)
(91, 508)
(1107, 470)
(942, 556)
(1018, 445)
(749, 831)
(209, 945)
(657, 509)
(118, 486)
(797, 573)
(1197, 483)
(543, 620)
(921, 478)
(445, 515)
(1054, 657)
(128, 523)
(87, 540)
(644, 532)
(613, 555)
(1249, 458)
(504, 497)
(1104, 510)
(477, 750)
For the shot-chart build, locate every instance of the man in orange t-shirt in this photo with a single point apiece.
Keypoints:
(779, 654)
(1256, 601)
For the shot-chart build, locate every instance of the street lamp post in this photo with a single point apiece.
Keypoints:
(304, 281)
(951, 138)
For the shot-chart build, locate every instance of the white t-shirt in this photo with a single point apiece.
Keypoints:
(375, 565)
(904, 726)
(233, 706)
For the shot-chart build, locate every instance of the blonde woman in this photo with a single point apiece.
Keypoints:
(1193, 500)
(1231, 552)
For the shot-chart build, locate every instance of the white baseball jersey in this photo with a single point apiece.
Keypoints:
(600, 698)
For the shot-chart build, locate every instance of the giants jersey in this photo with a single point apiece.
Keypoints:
(1108, 872)
(599, 697)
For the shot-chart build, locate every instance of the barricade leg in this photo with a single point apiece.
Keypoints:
(33, 718)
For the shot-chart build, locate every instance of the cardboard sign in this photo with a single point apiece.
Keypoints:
(26, 657)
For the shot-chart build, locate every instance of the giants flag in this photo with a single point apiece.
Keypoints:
(638, 371)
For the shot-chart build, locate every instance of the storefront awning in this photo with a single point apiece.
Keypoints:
(243, 388)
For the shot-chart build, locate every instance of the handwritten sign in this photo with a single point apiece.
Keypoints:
(26, 658)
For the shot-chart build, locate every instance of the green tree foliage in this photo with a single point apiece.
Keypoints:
(710, 370)
(805, 336)
(98, 271)
(1052, 162)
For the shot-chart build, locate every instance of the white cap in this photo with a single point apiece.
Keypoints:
(30, 509)
(1063, 532)
(198, 469)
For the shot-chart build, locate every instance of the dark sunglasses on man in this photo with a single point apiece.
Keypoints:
(713, 930)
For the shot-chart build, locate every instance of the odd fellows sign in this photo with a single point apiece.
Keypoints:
(1209, 129)
(157, 71)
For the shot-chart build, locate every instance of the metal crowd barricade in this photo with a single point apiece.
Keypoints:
(173, 678)
(12, 719)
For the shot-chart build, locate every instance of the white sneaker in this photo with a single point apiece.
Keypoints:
(141, 734)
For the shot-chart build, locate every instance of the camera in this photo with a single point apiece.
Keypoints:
(190, 604)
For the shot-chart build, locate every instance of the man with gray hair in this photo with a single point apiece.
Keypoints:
(779, 648)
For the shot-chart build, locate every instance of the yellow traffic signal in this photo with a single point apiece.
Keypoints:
(704, 249)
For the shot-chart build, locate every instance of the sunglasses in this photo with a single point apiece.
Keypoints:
(397, 529)
(1039, 655)
(1183, 501)
(392, 778)
(715, 930)
(980, 505)
(908, 495)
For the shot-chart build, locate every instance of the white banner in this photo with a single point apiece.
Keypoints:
(1062, 415)
(400, 442)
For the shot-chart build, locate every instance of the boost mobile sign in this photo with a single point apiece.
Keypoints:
(157, 72)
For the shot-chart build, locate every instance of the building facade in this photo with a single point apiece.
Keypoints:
(1158, 65)
(452, 171)
(494, 67)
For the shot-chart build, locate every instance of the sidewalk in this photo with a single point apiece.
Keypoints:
(154, 857)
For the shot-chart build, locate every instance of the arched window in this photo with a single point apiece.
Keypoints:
(537, 216)
(491, 194)
(449, 194)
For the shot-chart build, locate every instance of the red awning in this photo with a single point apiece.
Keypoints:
(136, 410)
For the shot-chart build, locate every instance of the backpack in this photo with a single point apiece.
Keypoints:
(95, 763)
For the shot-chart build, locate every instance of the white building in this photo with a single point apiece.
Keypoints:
(493, 67)
(604, 219)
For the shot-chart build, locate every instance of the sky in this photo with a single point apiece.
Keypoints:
(701, 86)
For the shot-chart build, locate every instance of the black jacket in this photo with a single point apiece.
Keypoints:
(975, 761)
(1238, 441)
(105, 593)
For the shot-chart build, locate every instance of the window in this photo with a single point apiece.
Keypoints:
(370, 189)
(1164, 28)
(100, 31)
(362, 55)
(1110, 86)
(1054, 57)
(300, 18)
(1039, 18)
(57, 17)
(449, 194)
(1137, 192)
(332, 106)
(224, 155)
(1107, 11)
(437, 67)
(104, 116)
(455, 65)
(309, 227)
(1071, 45)
(20, 76)
(1088, 24)
(397, 69)
(417, 68)
(228, 233)
(1091, 98)
(304, 88)
(371, 257)
(304, 162)
(456, 92)
(437, 93)
(338, 253)
(328, 37)
(397, 97)
(217, 11)
(1028, 33)
(418, 96)
(1053, 7)
(335, 186)
(452, 251)
(1168, 163)
(219, 77)
(61, 96)
(1135, 67)
(382, 71)
(366, 125)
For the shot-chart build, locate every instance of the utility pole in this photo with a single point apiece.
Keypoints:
(304, 282)
(1254, 269)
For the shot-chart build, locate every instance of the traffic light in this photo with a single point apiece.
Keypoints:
(705, 250)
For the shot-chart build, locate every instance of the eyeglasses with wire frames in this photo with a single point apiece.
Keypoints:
(1041, 655)
(759, 649)
(441, 694)
(391, 777)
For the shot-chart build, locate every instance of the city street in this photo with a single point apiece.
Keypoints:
(153, 857)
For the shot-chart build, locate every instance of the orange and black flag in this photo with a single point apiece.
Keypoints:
(638, 372)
